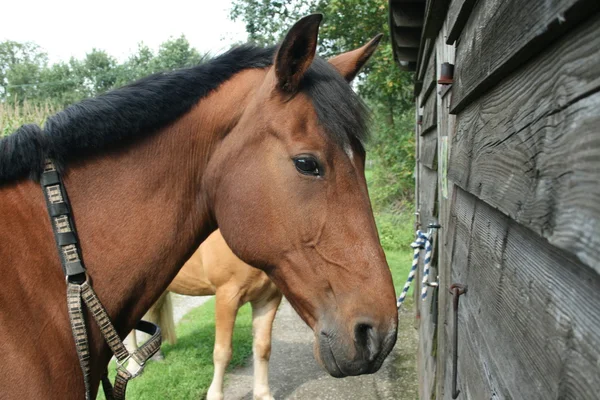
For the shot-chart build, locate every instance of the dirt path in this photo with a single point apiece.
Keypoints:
(294, 373)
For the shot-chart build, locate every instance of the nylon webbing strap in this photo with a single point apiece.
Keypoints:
(76, 292)
(78, 288)
(79, 331)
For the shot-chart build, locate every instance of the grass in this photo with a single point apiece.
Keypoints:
(12, 117)
(187, 370)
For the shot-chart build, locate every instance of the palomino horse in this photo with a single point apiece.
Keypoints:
(265, 144)
(214, 269)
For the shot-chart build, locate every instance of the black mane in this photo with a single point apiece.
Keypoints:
(149, 104)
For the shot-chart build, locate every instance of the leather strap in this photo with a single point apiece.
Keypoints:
(79, 288)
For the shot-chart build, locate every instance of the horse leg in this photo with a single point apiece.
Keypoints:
(225, 312)
(131, 342)
(161, 313)
(263, 314)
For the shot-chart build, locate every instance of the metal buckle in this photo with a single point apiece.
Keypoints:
(86, 276)
(133, 368)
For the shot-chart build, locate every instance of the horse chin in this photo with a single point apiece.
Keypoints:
(325, 358)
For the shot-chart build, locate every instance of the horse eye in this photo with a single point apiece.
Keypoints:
(307, 166)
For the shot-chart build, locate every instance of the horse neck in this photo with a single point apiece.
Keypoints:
(141, 211)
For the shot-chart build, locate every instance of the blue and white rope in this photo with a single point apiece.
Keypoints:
(420, 242)
(426, 266)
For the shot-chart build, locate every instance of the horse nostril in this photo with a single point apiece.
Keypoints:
(366, 339)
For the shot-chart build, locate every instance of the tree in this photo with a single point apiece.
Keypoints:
(98, 70)
(347, 24)
(175, 53)
(20, 67)
(60, 84)
(138, 65)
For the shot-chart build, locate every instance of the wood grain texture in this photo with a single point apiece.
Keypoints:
(429, 80)
(427, 195)
(427, 332)
(428, 150)
(407, 37)
(425, 51)
(530, 321)
(409, 15)
(458, 14)
(461, 217)
(429, 114)
(531, 147)
(501, 35)
(445, 129)
(435, 11)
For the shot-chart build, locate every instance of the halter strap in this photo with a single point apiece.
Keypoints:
(129, 365)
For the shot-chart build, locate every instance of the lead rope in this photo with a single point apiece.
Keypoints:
(419, 243)
(422, 241)
(79, 288)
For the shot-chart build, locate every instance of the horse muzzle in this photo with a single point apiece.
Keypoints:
(361, 351)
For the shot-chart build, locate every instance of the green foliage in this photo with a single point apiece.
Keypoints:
(25, 75)
(267, 20)
(187, 370)
(13, 116)
(20, 67)
(175, 53)
(393, 153)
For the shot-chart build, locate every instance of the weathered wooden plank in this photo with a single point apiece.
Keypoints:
(435, 11)
(531, 315)
(460, 223)
(531, 147)
(457, 17)
(429, 115)
(417, 170)
(425, 51)
(407, 37)
(445, 242)
(429, 80)
(503, 34)
(426, 359)
(409, 15)
(428, 152)
(427, 194)
(407, 53)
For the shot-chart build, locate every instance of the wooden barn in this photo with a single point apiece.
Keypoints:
(507, 96)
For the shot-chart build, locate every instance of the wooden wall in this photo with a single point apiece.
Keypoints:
(508, 161)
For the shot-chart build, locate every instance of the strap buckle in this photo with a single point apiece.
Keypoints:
(133, 367)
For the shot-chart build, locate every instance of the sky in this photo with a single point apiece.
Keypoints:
(70, 28)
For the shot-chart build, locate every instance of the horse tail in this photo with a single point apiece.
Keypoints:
(162, 314)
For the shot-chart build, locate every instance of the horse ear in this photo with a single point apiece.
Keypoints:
(350, 63)
(297, 52)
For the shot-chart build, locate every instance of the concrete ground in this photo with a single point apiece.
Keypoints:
(182, 304)
(294, 373)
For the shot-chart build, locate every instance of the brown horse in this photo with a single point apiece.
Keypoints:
(265, 144)
(215, 270)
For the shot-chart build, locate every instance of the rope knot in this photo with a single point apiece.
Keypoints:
(420, 241)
